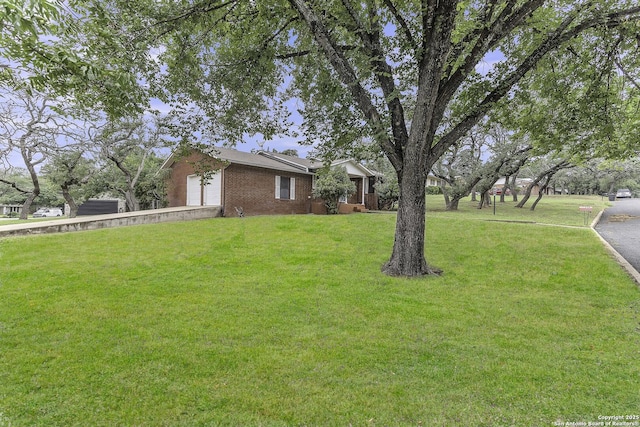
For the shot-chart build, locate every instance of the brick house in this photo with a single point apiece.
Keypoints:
(259, 183)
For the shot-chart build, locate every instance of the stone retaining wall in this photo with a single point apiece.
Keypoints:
(111, 220)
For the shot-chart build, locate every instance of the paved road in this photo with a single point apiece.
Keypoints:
(620, 226)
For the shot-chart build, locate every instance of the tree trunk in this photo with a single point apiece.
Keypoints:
(131, 201)
(533, 206)
(26, 206)
(453, 204)
(514, 189)
(504, 188)
(447, 199)
(407, 258)
(527, 194)
(73, 206)
(546, 175)
(543, 190)
(485, 200)
(36, 184)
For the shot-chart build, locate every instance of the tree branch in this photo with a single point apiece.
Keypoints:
(403, 25)
(14, 186)
(560, 35)
(438, 23)
(486, 39)
(626, 75)
(383, 72)
(348, 77)
(196, 9)
(484, 17)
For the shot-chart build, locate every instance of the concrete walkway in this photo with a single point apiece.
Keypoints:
(95, 222)
(619, 228)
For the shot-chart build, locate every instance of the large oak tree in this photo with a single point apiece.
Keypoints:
(404, 73)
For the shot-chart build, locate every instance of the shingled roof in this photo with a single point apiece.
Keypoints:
(250, 159)
(267, 160)
(307, 164)
(258, 159)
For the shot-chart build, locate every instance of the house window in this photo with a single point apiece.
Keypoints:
(285, 185)
(285, 188)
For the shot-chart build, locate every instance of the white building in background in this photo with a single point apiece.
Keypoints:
(10, 210)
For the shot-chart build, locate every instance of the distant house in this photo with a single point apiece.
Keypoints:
(10, 210)
(433, 181)
(521, 186)
(262, 183)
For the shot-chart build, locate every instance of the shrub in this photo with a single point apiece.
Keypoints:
(388, 191)
(331, 184)
(431, 190)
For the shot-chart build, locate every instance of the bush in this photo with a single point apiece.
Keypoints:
(388, 191)
(333, 183)
(434, 190)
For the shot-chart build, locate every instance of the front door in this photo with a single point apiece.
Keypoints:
(356, 198)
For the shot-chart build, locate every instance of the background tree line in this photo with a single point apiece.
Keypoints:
(52, 155)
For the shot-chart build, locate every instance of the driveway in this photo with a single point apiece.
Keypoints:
(620, 227)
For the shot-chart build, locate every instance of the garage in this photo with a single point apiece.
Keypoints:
(210, 195)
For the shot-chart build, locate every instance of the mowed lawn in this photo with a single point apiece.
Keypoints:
(279, 321)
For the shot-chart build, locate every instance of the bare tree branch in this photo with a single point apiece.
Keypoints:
(403, 25)
(14, 185)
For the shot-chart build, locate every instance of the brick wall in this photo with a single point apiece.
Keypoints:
(254, 188)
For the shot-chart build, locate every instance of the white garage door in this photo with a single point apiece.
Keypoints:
(212, 193)
(193, 190)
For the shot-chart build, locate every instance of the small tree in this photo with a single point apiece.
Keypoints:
(30, 128)
(70, 171)
(130, 150)
(333, 183)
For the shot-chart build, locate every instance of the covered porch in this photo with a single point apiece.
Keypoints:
(364, 198)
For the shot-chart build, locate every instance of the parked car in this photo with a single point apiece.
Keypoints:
(623, 193)
(46, 212)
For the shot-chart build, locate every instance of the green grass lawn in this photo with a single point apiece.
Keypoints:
(278, 321)
(30, 220)
(559, 210)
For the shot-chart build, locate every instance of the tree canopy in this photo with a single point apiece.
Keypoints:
(43, 41)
